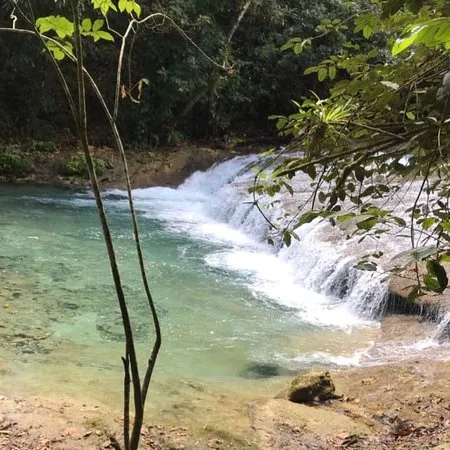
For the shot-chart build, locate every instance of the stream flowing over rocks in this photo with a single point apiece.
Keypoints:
(240, 318)
(320, 264)
(213, 228)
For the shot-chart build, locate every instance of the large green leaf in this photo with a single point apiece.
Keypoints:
(431, 33)
(436, 277)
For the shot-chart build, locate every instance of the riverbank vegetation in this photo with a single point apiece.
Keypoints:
(382, 128)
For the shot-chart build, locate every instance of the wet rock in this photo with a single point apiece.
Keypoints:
(430, 306)
(312, 386)
(443, 336)
(30, 342)
(257, 370)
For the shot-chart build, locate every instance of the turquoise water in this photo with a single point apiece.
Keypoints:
(61, 328)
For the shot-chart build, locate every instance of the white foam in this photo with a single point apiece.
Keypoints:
(315, 276)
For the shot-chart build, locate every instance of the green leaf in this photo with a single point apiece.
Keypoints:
(412, 296)
(58, 54)
(332, 72)
(428, 223)
(137, 9)
(445, 226)
(432, 283)
(310, 70)
(367, 224)
(311, 171)
(298, 48)
(57, 51)
(103, 35)
(368, 191)
(60, 25)
(98, 24)
(367, 31)
(410, 115)
(344, 217)
(360, 173)
(288, 45)
(401, 45)
(287, 239)
(43, 25)
(418, 254)
(444, 258)
(86, 25)
(399, 221)
(436, 277)
(322, 74)
(104, 6)
(307, 218)
(122, 5)
(129, 7)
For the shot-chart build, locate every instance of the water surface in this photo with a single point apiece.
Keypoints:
(239, 318)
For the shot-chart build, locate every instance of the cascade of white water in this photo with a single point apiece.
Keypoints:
(315, 275)
(442, 334)
(322, 261)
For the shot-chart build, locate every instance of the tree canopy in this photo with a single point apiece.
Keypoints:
(186, 97)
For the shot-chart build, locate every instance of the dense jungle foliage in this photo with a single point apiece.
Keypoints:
(186, 98)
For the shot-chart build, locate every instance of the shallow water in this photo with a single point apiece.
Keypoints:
(238, 318)
(61, 328)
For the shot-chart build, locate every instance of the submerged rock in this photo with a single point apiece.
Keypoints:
(310, 387)
(257, 370)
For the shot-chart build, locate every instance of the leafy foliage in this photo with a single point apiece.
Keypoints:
(76, 166)
(383, 125)
(186, 96)
(14, 162)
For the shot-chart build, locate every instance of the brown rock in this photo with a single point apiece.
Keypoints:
(312, 386)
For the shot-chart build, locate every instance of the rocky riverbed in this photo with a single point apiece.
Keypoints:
(402, 406)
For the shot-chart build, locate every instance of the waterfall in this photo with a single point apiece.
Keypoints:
(315, 276)
(443, 331)
(321, 262)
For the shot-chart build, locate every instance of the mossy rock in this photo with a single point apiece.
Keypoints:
(312, 386)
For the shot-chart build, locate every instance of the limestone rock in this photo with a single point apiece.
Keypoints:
(280, 424)
(312, 386)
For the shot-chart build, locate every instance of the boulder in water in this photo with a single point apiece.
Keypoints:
(257, 370)
(312, 386)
